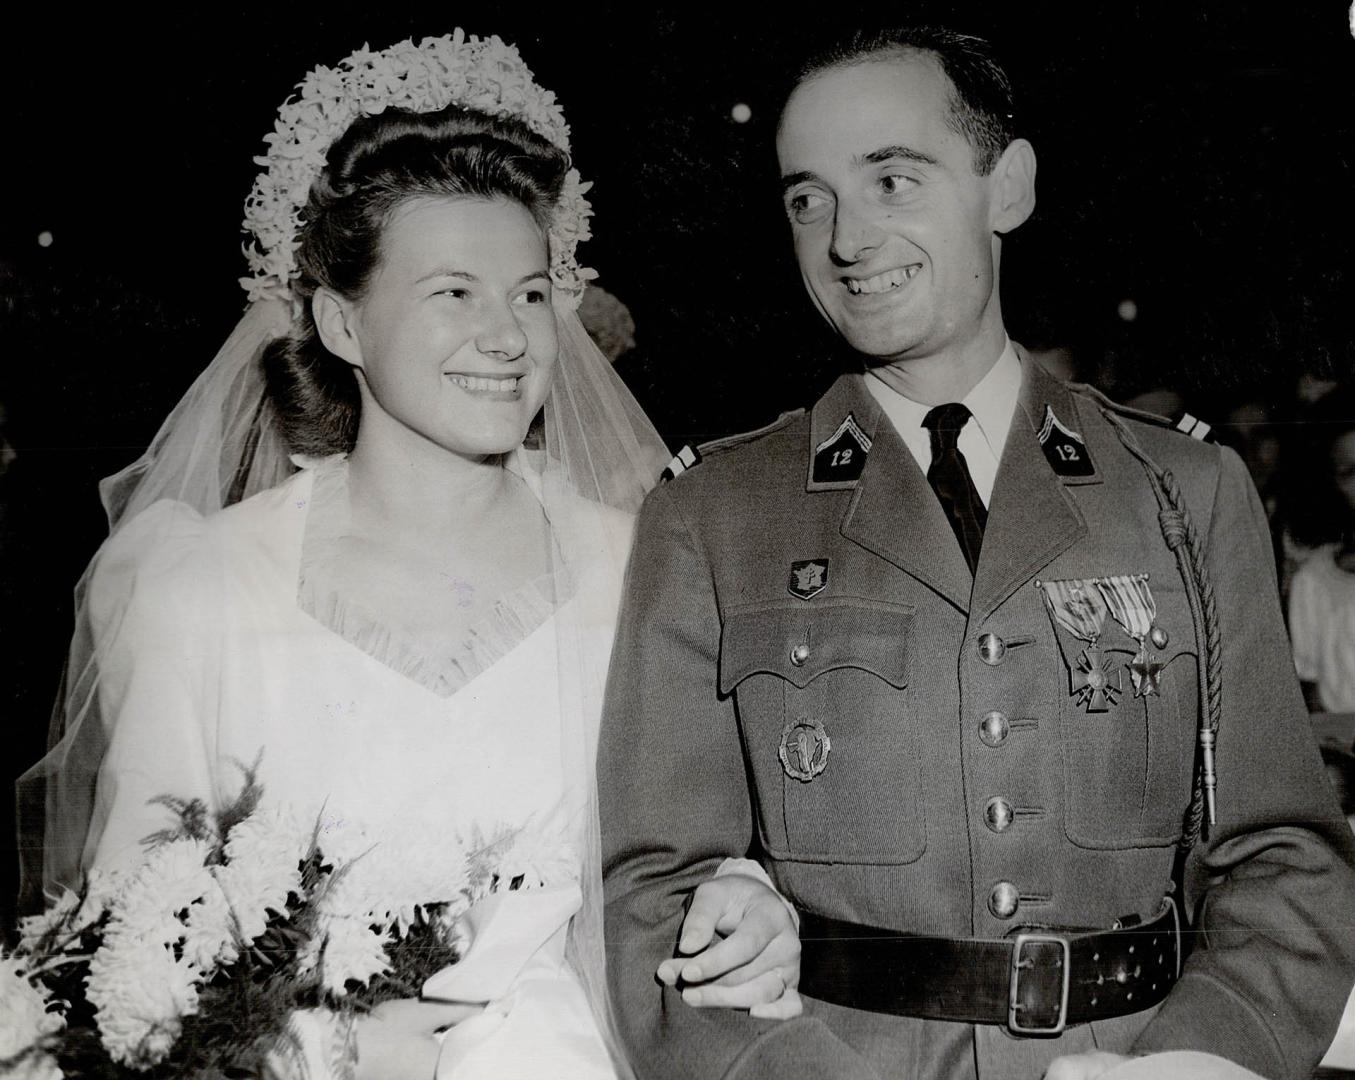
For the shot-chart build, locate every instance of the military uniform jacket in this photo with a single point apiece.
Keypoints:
(729, 638)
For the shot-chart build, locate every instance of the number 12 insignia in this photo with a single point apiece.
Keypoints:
(1065, 448)
(841, 457)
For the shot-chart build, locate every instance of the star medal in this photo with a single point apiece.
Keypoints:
(1132, 605)
(1077, 606)
(1098, 691)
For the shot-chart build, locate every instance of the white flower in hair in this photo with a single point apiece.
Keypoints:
(479, 73)
(24, 1023)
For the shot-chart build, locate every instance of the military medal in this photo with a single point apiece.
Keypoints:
(1077, 606)
(1132, 605)
(1098, 691)
(804, 749)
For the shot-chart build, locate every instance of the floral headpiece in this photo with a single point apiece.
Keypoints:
(479, 73)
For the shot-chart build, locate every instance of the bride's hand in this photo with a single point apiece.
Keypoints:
(398, 1039)
(741, 950)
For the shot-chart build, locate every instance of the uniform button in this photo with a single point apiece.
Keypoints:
(992, 649)
(997, 815)
(799, 655)
(1004, 900)
(1159, 637)
(994, 728)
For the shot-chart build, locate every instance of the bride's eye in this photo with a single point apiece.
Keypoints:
(534, 296)
(456, 292)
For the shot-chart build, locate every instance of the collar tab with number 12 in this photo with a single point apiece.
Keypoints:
(1064, 447)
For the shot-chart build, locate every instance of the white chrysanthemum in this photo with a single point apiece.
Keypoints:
(34, 928)
(262, 866)
(152, 906)
(485, 74)
(385, 880)
(209, 938)
(24, 1019)
(140, 996)
(140, 991)
(352, 951)
(536, 857)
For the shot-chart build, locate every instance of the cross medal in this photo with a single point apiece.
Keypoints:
(1077, 606)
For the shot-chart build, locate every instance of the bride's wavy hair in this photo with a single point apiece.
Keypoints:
(376, 165)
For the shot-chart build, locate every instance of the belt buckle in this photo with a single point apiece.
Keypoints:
(1014, 1024)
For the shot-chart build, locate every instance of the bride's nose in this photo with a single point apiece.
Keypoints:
(502, 337)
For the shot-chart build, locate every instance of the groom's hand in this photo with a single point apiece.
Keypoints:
(741, 950)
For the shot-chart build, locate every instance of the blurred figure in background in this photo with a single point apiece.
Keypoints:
(1319, 512)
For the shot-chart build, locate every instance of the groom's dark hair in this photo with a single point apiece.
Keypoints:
(981, 103)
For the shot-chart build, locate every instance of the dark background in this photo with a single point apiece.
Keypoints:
(1195, 158)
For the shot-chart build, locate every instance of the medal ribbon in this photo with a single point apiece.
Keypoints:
(1076, 605)
(1130, 602)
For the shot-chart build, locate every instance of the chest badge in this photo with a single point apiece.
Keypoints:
(804, 750)
(841, 457)
(808, 578)
(1064, 447)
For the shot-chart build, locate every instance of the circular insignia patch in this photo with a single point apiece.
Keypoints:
(804, 748)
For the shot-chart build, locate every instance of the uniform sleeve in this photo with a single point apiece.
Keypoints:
(152, 607)
(1272, 885)
(1305, 620)
(675, 803)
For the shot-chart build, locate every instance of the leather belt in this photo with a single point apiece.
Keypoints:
(1034, 982)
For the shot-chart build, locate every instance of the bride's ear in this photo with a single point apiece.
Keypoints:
(336, 323)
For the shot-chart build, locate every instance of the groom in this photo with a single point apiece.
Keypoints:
(939, 652)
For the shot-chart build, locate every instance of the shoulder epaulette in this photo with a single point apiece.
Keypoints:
(690, 455)
(1185, 423)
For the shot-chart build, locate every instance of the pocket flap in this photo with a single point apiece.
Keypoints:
(800, 641)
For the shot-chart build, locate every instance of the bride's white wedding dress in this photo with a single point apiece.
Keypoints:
(223, 636)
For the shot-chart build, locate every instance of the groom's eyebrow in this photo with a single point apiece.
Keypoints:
(791, 179)
(896, 153)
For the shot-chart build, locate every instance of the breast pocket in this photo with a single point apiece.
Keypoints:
(1129, 771)
(821, 692)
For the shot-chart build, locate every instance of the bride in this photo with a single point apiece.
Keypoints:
(378, 548)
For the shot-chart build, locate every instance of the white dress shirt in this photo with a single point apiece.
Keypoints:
(992, 403)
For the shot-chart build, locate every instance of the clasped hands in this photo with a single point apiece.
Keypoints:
(740, 949)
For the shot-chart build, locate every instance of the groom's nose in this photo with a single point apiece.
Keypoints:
(854, 236)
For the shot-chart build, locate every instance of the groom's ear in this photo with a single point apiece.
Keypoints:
(336, 322)
(1013, 187)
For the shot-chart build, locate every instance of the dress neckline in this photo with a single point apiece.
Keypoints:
(510, 620)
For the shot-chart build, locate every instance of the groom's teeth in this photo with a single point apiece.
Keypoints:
(890, 279)
(479, 382)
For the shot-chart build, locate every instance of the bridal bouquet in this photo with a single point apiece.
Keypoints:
(195, 962)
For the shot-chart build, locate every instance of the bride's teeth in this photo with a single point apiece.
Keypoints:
(480, 382)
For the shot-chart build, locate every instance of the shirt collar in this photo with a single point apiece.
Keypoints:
(992, 401)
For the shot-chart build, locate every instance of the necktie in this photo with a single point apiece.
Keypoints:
(950, 479)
